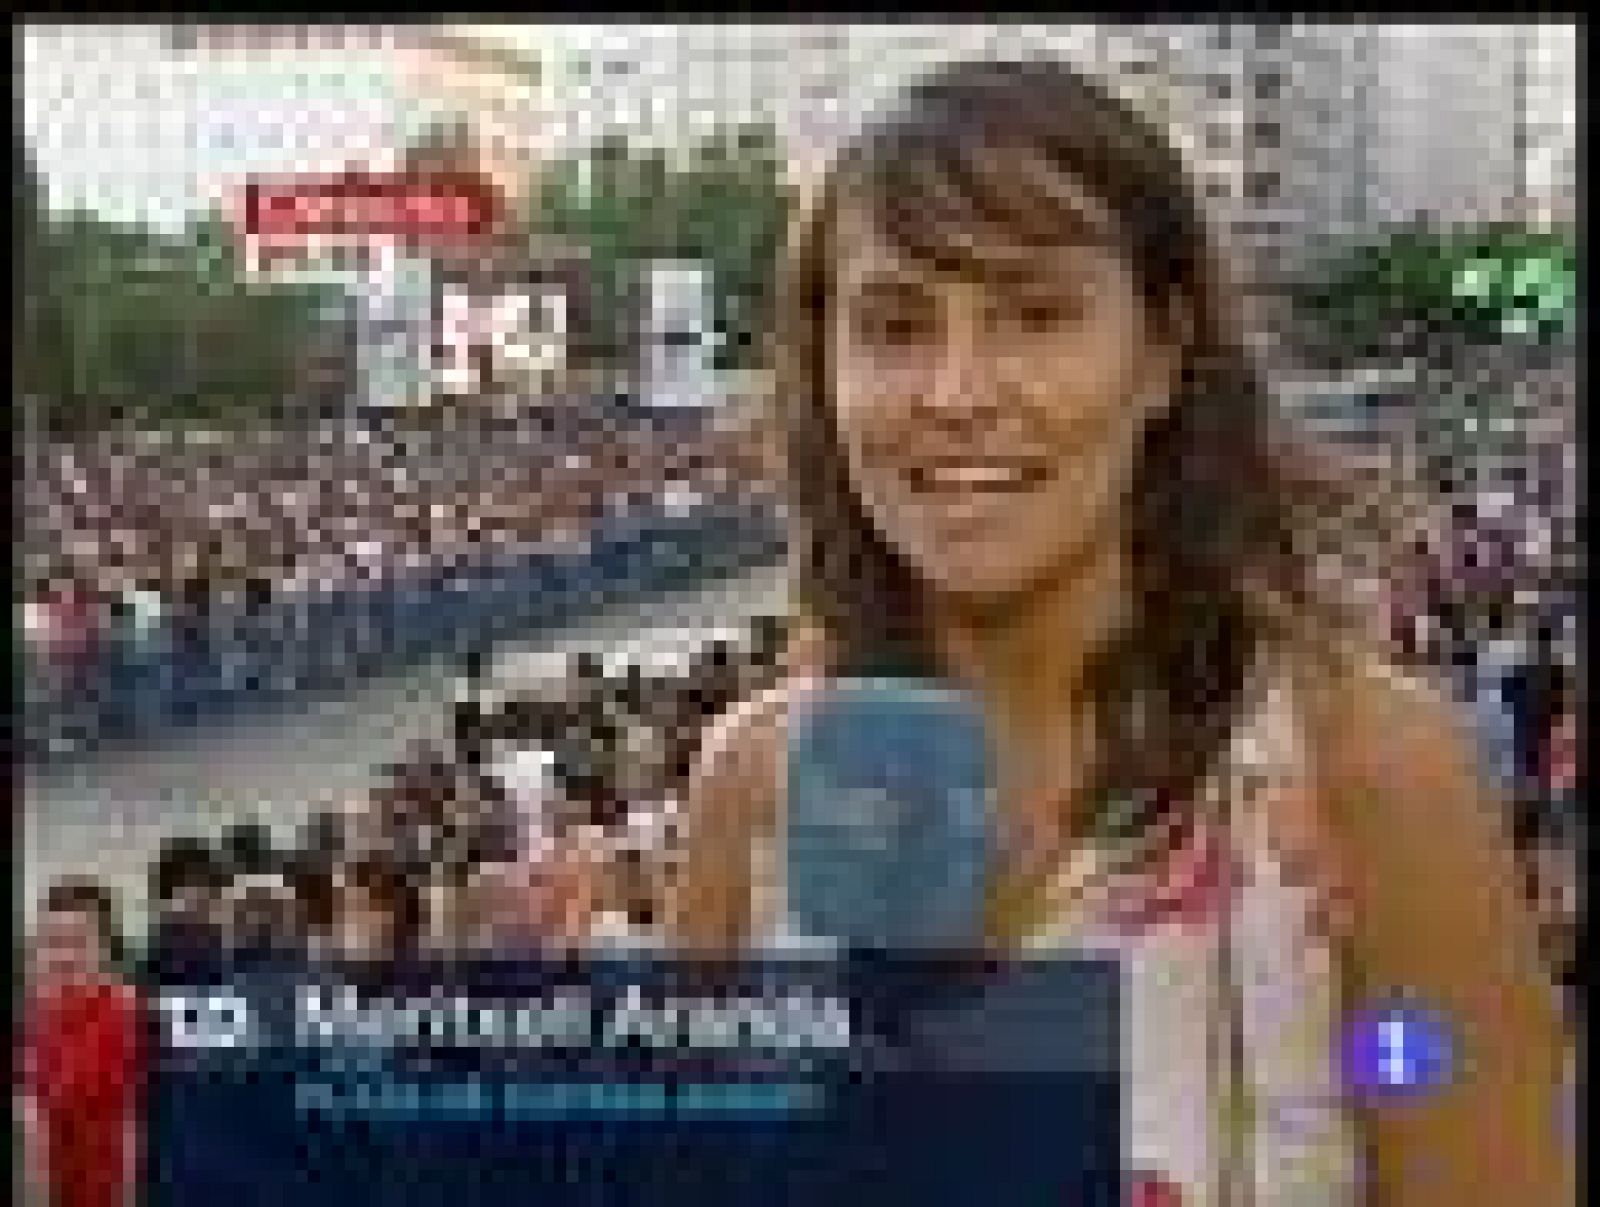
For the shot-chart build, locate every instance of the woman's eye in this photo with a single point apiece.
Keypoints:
(892, 329)
(1046, 315)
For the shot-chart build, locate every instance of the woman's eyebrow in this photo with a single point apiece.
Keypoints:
(888, 285)
(1040, 277)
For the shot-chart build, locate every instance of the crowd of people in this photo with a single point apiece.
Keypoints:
(124, 534)
(1487, 597)
(444, 854)
(444, 857)
(441, 859)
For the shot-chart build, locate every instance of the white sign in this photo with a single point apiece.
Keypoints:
(523, 331)
(679, 334)
(396, 307)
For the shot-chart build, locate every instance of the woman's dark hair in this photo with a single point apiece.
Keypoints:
(1221, 509)
(94, 898)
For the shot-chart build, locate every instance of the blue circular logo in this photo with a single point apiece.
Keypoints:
(1398, 1051)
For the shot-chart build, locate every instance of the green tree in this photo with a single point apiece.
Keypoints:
(128, 325)
(725, 204)
(1472, 285)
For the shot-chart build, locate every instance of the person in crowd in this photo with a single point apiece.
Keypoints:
(411, 801)
(322, 836)
(642, 843)
(1562, 764)
(1029, 452)
(768, 634)
(324, 841)
(588, 759)
(261, 915)
(309, 875)
(1499, 648)
(586, 675)
(1536, 691)
(248, 848)
(495, 820)
(716, 677)
(76, 620)
(378, 913)
(528, 906)
(1560, 831)
(83, 1064)
(188, 883)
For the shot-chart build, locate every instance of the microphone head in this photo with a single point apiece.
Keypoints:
(888, 839)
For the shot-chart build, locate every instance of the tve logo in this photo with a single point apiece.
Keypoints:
(1398, 1051)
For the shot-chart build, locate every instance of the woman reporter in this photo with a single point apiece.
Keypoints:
(1027, 451)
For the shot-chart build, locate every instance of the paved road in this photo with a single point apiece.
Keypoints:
(107, 815)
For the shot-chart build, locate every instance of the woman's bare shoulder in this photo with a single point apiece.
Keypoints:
(1358, 700)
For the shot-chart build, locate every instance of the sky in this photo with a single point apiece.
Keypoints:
(119, 122)
(122, 124)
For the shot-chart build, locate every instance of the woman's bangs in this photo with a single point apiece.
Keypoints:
(973, 209)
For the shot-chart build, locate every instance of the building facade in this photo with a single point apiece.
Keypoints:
(1304, 134)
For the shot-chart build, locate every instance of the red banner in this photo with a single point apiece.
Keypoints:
(412, 207)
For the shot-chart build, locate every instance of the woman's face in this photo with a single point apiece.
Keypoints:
(991, 425)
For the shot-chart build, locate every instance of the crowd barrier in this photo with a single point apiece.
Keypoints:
(184, 673)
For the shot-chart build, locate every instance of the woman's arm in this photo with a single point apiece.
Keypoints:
(732, 800)
(1435, 913)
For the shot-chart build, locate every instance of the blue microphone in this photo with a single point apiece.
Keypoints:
(888, 835)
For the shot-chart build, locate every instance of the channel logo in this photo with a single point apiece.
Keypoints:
(1398, 1051)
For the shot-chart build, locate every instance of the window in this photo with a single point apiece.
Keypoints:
(1262, 229)
(1261, 186)
(1269, 85)
(1220, 86)
(1266, 134)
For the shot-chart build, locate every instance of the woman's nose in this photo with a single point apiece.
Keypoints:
(965, 390)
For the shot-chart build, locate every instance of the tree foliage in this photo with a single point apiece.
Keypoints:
(724, 203)
(1477, 285)
(122, 324)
